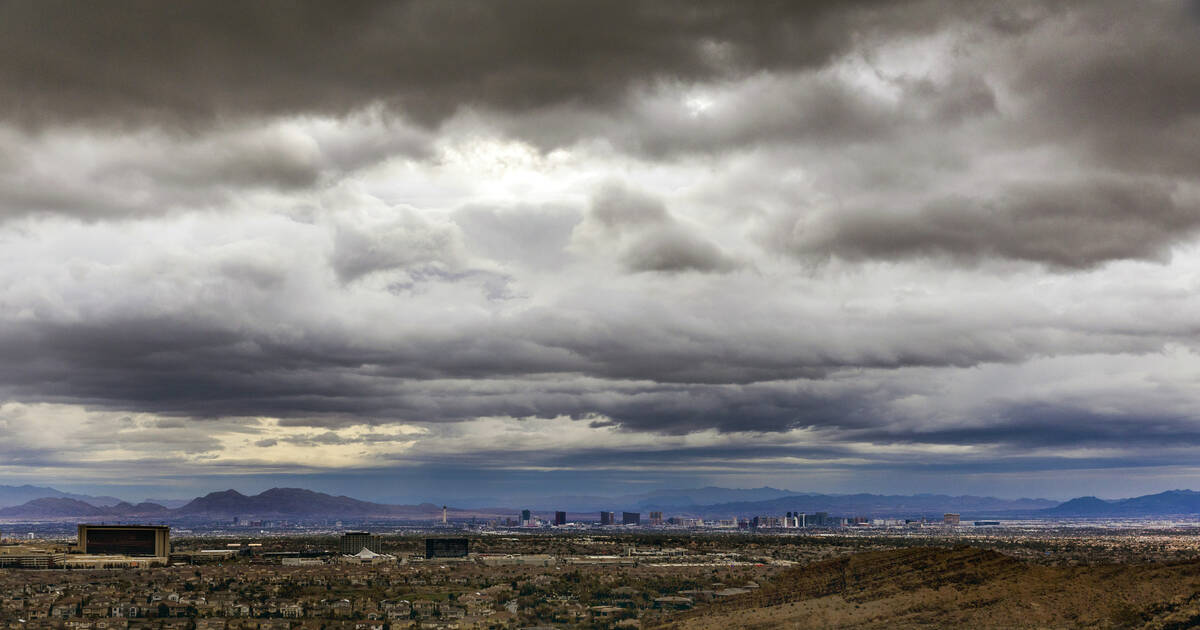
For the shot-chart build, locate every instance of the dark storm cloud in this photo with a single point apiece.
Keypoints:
(647, 237)
(1060, 425)
(1117, 80)
(195, 62)
(787, 458)
(829, 450)
(584, 457)
(616, 208)
(820, 109)
(186, 370)
(1058, 223)
(103, 175)
(674, 249)
(765, 408)
(265, 162)
(635, 376)
(817, 107)
(1108, 89)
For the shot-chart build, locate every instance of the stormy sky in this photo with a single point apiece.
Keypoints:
(447, 249)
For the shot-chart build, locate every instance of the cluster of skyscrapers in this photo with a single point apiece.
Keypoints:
(793, 520)
(790, 520)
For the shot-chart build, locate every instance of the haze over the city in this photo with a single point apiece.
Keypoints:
(428, 251)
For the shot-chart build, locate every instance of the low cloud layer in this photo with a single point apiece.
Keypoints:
(823, 241)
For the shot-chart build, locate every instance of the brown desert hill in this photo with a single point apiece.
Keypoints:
(961, 587)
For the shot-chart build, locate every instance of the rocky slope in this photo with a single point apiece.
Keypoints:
(961, 587)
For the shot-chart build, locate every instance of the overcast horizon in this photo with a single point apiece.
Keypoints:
(434, 250)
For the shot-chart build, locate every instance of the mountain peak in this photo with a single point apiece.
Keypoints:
(225, 493)
(289, 492)
(60, 507)
(1171, 502)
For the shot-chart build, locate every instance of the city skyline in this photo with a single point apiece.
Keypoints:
(428, 251)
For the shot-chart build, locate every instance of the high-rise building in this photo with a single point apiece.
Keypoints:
(560, 518)
(950, 518)
(607, 518)
(656, 518)
(631, 518)
(526, 518)
(770, 522)
(354, 542)
(125, 540)
(447, 547)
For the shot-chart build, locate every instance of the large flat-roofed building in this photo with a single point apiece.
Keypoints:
(125, 540)
(631, 518)
(447, 547)
(354, 542)
(106, 561)
(29, 557)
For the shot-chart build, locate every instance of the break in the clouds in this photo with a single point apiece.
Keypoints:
(850, 245)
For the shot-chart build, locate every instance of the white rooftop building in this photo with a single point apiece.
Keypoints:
(366, 556)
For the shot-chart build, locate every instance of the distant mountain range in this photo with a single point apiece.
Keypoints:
(1169, 503)
(16, 495)
(297, 503)
(274, 503)
(58, 507)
